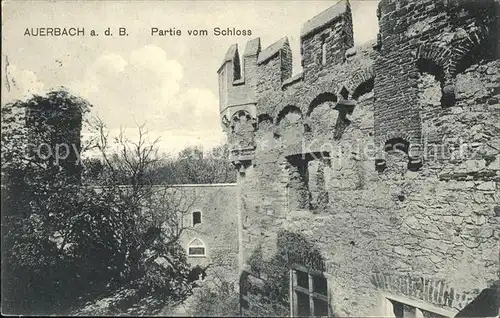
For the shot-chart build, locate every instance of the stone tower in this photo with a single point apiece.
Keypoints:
(368, 182)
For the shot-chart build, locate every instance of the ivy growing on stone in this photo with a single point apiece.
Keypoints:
(273, 273)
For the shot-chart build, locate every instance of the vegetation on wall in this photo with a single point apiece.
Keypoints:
(292, 248)
(215, 299)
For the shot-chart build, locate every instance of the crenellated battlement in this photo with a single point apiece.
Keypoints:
(409, 46)
(325, 40)
(380, 156)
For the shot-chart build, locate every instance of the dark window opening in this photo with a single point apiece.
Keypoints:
(310, 299)
(302, 280)
(364, 88)
(302, 304)
(428, 66)
(236, 68)
(397, 144)
(344, 93)
(307, 128)
(320, 307)
(299, 195)
(341, 124)
(196, 218)
(196, 251)
(320, 285)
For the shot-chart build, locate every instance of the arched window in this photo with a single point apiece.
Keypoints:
(432, 82)
(196, 248)
(290, 126)
(242, 130)
(196, 218)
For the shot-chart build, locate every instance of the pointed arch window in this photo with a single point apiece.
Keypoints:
(196, 248)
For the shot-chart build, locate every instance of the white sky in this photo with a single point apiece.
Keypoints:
(169, 83)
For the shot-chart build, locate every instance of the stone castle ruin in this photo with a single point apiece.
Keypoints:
(373, 174)
(368, 184)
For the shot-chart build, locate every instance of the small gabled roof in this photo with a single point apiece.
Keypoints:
(231, 53)
(324, 17)
(272, 50)
(252, 48)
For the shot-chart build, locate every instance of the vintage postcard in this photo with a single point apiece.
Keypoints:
(251, 158)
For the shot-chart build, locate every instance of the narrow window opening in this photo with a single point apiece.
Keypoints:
(196, 218)
(323, 51)
(307, 189)
(344, 93)
(236, 68)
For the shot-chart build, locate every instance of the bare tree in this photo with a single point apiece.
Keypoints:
(158, 211)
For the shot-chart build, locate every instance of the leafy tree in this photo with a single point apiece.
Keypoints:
(151, 217)
(39, 183)
(66, 240)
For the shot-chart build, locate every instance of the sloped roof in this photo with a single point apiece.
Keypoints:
(273, 49)
(324, 17)
(252, 48)
(230, 54)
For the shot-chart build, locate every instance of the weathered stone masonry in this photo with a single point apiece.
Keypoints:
(216, 230)
(385, 157)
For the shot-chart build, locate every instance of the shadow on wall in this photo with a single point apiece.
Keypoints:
(197, 273)
(486, 304)
(264, 288)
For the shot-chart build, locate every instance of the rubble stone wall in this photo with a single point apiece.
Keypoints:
(387, 159)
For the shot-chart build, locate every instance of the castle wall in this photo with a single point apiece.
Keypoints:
(218, 229)
(336, 35)
(418, 222)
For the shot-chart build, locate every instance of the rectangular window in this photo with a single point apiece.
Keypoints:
(196, 218)
(323, 49)
(401, 309)
(323, 53)
(196, 251)
(302, 304)
(320, 307)
(320, 285)
(302, 279)
(310, 294)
